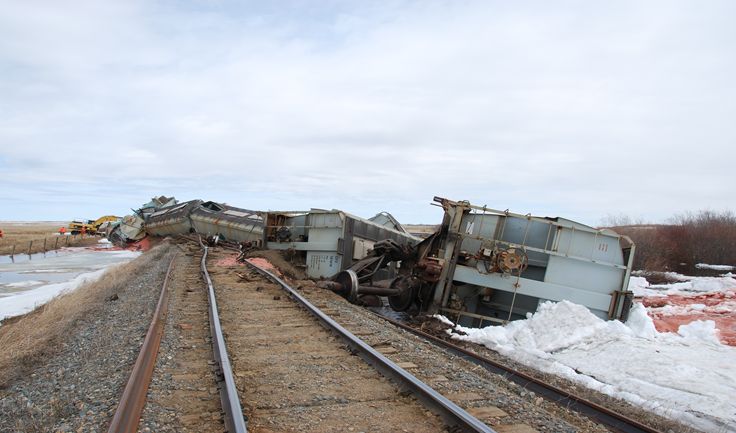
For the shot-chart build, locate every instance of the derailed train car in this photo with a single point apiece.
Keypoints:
(486, 265)
(330, 240)
(231, 223)
(326, 241)
(171, 220)
(209, 218)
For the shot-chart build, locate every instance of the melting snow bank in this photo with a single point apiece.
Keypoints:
(684, 286)
(690, 299)
(715, 267)
(26, 302)
(22, 302)
(688, 376)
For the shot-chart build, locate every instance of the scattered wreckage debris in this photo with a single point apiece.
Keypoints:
(480, 266)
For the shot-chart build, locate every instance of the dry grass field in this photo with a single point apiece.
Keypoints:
(20, 235)
(27, 339)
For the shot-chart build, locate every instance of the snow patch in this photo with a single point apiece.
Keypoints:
(44, 271)
(27, 283)
(704, 330)
(684, 286)
(688, 376)
(699, 284)
(443, 319)
(638, 285)
(715, 267)
(83, 264)
(25, 302)
(640, 323)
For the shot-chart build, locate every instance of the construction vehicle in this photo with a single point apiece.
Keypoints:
(91, 226)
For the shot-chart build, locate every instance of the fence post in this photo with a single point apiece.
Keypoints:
(30, 244)
(44, 244)
(56, 243)
(12, 253)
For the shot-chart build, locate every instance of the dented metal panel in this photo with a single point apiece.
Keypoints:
(131, 228)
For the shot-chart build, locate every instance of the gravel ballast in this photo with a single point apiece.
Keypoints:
(77, 388)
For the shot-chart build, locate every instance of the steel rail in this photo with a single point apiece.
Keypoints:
(128, 413)
(234, 420)
(610, 418)
(452, 414)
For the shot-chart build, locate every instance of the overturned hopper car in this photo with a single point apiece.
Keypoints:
(323, 241)
(486, 265)
(171, 220)
(231, 223)
(330, 240)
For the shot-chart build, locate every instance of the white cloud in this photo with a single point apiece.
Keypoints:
(582, 111)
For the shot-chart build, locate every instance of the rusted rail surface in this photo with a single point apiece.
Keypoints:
(128, 414)
(233, 411)
(452, 414)
(612, 419)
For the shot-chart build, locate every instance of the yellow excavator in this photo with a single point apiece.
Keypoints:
(91, 226)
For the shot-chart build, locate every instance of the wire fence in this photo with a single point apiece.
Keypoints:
(12, 247)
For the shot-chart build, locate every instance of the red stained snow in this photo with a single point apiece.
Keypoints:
(141, 245)
(671, 311)
(228, 261)
(258, 261)
(264, 264)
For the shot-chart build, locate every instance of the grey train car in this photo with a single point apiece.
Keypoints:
(331, 240)
(497, 265)
(484, 266)
(171, 220)
(232, 223)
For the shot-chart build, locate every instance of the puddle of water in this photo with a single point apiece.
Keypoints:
(20, 258)
(25, 275)
(20, 281)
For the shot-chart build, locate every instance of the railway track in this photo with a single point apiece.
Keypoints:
(183, 395)
(288, 366)
(292, 367)
(296, 369)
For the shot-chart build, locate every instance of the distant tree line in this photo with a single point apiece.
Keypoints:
(702, 237)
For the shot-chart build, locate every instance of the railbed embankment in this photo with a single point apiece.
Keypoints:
(64, 365)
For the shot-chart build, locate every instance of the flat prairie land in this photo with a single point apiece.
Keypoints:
(21, 233)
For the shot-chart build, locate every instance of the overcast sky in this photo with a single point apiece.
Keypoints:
(578, 109)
